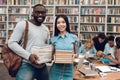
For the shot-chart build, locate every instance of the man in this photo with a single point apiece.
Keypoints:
(110, 46)
(100, 42)
(38, 35)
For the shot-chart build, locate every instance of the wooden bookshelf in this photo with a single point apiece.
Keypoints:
(113, 17)
(92, 18)
(86, 17)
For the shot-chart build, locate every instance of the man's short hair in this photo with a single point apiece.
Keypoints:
(111, 38)
(39, 5)
(101, 35)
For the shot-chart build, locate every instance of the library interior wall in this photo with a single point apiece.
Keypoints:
(87, 17)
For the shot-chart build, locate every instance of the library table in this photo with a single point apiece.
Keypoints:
(107, 76)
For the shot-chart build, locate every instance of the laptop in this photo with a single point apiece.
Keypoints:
(86, 72)
(80, 63)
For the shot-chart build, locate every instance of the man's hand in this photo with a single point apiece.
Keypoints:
(109, 57)
(33, 58)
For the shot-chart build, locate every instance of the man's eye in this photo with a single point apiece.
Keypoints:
(38, 12)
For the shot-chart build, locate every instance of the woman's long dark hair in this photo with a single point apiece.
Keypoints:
(67, 24)
(117, 40)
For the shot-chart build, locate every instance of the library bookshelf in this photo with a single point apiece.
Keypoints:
(86, 17)
(99, 16)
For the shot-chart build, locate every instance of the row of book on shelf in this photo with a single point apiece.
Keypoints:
(50, 19)
(92, 19)
(99, 28)
(90, 28)
(113, 28)
(100, 11)
(85, 11)
(18, 10)
(85, 19)
(99, 2)
(67, 10)
(113, 19)
(18, 2)
(45, 2)
(57, 2)
(113, 10)
(62, 2)
(92, 2)
(113, 2)
(23, 10)
(101, 19)
(72, 19)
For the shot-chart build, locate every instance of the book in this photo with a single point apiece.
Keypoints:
(88, 72)
(103, 68)
(107, 69)
(63, 56)
(44, 53)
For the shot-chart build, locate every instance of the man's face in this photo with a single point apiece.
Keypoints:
(111, 43)
(39, 14)
(101, 40)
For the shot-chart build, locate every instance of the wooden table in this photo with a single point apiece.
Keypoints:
(107, 76)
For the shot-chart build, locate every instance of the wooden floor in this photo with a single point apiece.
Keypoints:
(4, 74)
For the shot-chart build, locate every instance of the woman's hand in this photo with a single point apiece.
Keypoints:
(75, 55)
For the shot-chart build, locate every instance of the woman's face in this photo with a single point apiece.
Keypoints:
(88, 45)
(61, 24)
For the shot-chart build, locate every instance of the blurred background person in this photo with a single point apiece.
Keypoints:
(110, 46)
(87, 49)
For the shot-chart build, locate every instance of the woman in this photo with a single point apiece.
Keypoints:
(62, 40)
(87, 49)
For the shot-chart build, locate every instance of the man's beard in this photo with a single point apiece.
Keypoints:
(38, 22)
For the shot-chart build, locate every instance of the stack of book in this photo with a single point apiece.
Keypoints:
(44, 53)
(63, 56)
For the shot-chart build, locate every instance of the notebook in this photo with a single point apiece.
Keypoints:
(88, 72)
(107, 69)
(103, 68)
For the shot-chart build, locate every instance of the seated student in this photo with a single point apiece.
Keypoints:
(88, 48)
(109, 50)
(116, 59)
(110, 46)
(100, 42)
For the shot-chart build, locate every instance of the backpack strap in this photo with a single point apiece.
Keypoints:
(25, 36)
